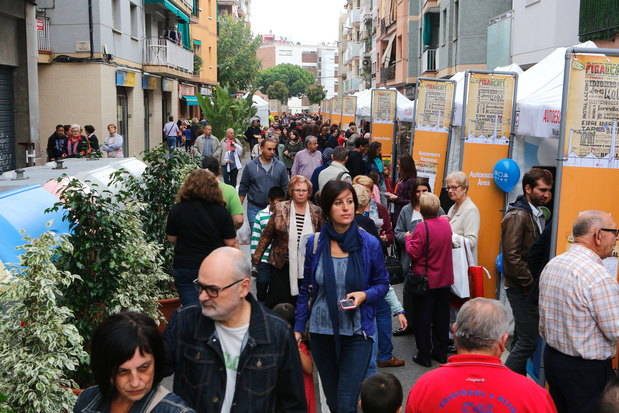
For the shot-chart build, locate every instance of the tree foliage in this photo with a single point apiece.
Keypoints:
(278, 90)
(315, 93)
(237, 64)
(294, 77)
(39, 347)
(224, 111)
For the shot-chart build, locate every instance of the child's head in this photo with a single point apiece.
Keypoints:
(381, 393)
(285, 311)
(276, 194)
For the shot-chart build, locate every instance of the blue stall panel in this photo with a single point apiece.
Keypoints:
(24, 210)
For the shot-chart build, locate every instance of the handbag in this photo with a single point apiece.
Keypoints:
(417, 284)
(462, 258)
(394, 267)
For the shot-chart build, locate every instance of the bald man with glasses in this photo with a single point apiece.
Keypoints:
(229, 354)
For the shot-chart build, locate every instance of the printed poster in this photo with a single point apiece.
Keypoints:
(489, 108)
(589, 158)
(434, 105)
(349, 110)
(383, 119)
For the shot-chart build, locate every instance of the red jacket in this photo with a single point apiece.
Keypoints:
(440, 262)
(477, 383)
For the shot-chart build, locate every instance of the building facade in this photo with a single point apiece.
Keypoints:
(392, 44)
(132, 63)
(19, 109)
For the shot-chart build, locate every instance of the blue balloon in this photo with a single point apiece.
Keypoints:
(506, 174)
(499, 263)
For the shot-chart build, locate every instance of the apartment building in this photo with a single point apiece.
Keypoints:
(127, 62)
(327, 70)
(239, 9)
(19, 117)
(392, 44)
(449, 36)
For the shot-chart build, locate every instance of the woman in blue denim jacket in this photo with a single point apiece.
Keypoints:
(344, 278)
(128, 362)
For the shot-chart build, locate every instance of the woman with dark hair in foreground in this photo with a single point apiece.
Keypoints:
(128, 362)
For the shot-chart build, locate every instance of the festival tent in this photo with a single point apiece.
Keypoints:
(262, 109)
(405, 107)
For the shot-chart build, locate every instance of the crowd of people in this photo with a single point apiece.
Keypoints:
(322, 214)
(74, 141)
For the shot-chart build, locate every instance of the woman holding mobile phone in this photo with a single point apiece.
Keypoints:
(344, 278)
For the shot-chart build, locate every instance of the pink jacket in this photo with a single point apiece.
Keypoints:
(440, 266)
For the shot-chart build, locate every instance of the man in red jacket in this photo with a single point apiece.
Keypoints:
(475, 380)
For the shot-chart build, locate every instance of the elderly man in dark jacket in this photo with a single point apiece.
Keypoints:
(230, 354)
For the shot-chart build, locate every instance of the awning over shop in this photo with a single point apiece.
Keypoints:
(191, 100)
(172, 8)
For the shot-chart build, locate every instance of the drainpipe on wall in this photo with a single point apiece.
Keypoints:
(90, 30)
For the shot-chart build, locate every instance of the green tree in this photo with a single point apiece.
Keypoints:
(294, 77)
(224, 111)
(315, 93)
(278, 90)
(237, 64)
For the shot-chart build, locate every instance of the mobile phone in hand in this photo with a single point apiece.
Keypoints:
(348, 304)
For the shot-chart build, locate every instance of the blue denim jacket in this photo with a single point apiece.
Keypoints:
(269, 379)
(91, 401)
(376, 281)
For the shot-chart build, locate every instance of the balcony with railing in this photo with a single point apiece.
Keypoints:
(162, 52)
(353, 50)
(428, 61)
(387, 74)
(354, 16)
(43, 39)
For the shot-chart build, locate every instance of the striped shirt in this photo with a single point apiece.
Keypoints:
(579, 305)
(260, 223)
(300, 218)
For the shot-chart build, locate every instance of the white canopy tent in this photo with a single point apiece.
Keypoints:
(364, 105)
(262, 109)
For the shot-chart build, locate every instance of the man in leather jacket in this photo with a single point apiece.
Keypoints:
(230, 354)
(521, 227)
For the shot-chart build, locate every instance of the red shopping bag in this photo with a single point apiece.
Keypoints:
(476, 280)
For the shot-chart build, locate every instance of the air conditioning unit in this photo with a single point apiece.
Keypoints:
(367, 62)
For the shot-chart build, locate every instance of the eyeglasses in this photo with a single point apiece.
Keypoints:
(211, 290)
(453, 187)
(615, 231)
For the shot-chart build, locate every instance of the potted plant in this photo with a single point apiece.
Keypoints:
(39, 347)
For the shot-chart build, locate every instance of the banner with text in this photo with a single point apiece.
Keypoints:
(383, 119)
(487, 127)
(349, 110)
(589, 157)
(274, 107)
(337, 111)
(433, 117)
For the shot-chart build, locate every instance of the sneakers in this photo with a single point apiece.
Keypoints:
(394, 362)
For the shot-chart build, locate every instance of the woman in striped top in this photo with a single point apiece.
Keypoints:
(291, 223)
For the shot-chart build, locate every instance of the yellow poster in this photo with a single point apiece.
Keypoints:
(274, 107)
(488, 119)
(349, 110)
(489, 108)
(590, 154)
(434, 105)
(383, 119)
(429, 153)
(337, 111)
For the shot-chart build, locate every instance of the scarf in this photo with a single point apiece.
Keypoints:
(72, 145)
(350, 242)
(296, 251)
(379, 165)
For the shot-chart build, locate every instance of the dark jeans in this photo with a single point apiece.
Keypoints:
(383, 330)
(183, 280)
(252, 211)
(341, 379)
(431, 323)
(526, 320)
(171, 142)
(263, 280)
(229, 177)
(408, 302)
(575, 384)
(279, 290)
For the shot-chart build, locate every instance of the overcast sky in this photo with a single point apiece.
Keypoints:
(305, 21)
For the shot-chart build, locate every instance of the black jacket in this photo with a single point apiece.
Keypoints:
(355, 164)
(56, 146)
(269, 378)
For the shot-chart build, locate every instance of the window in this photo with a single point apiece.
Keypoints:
(134, 20)
(285, 52)
(456, 18)
(116, 24)
(444, 28)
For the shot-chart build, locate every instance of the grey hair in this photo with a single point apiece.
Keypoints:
(269, 139)
(308, 138)
(586, 221)
(460, 178)
(480, 323)
(239, 263)
(75, 126)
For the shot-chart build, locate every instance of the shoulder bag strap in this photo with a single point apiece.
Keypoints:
(427, 246)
